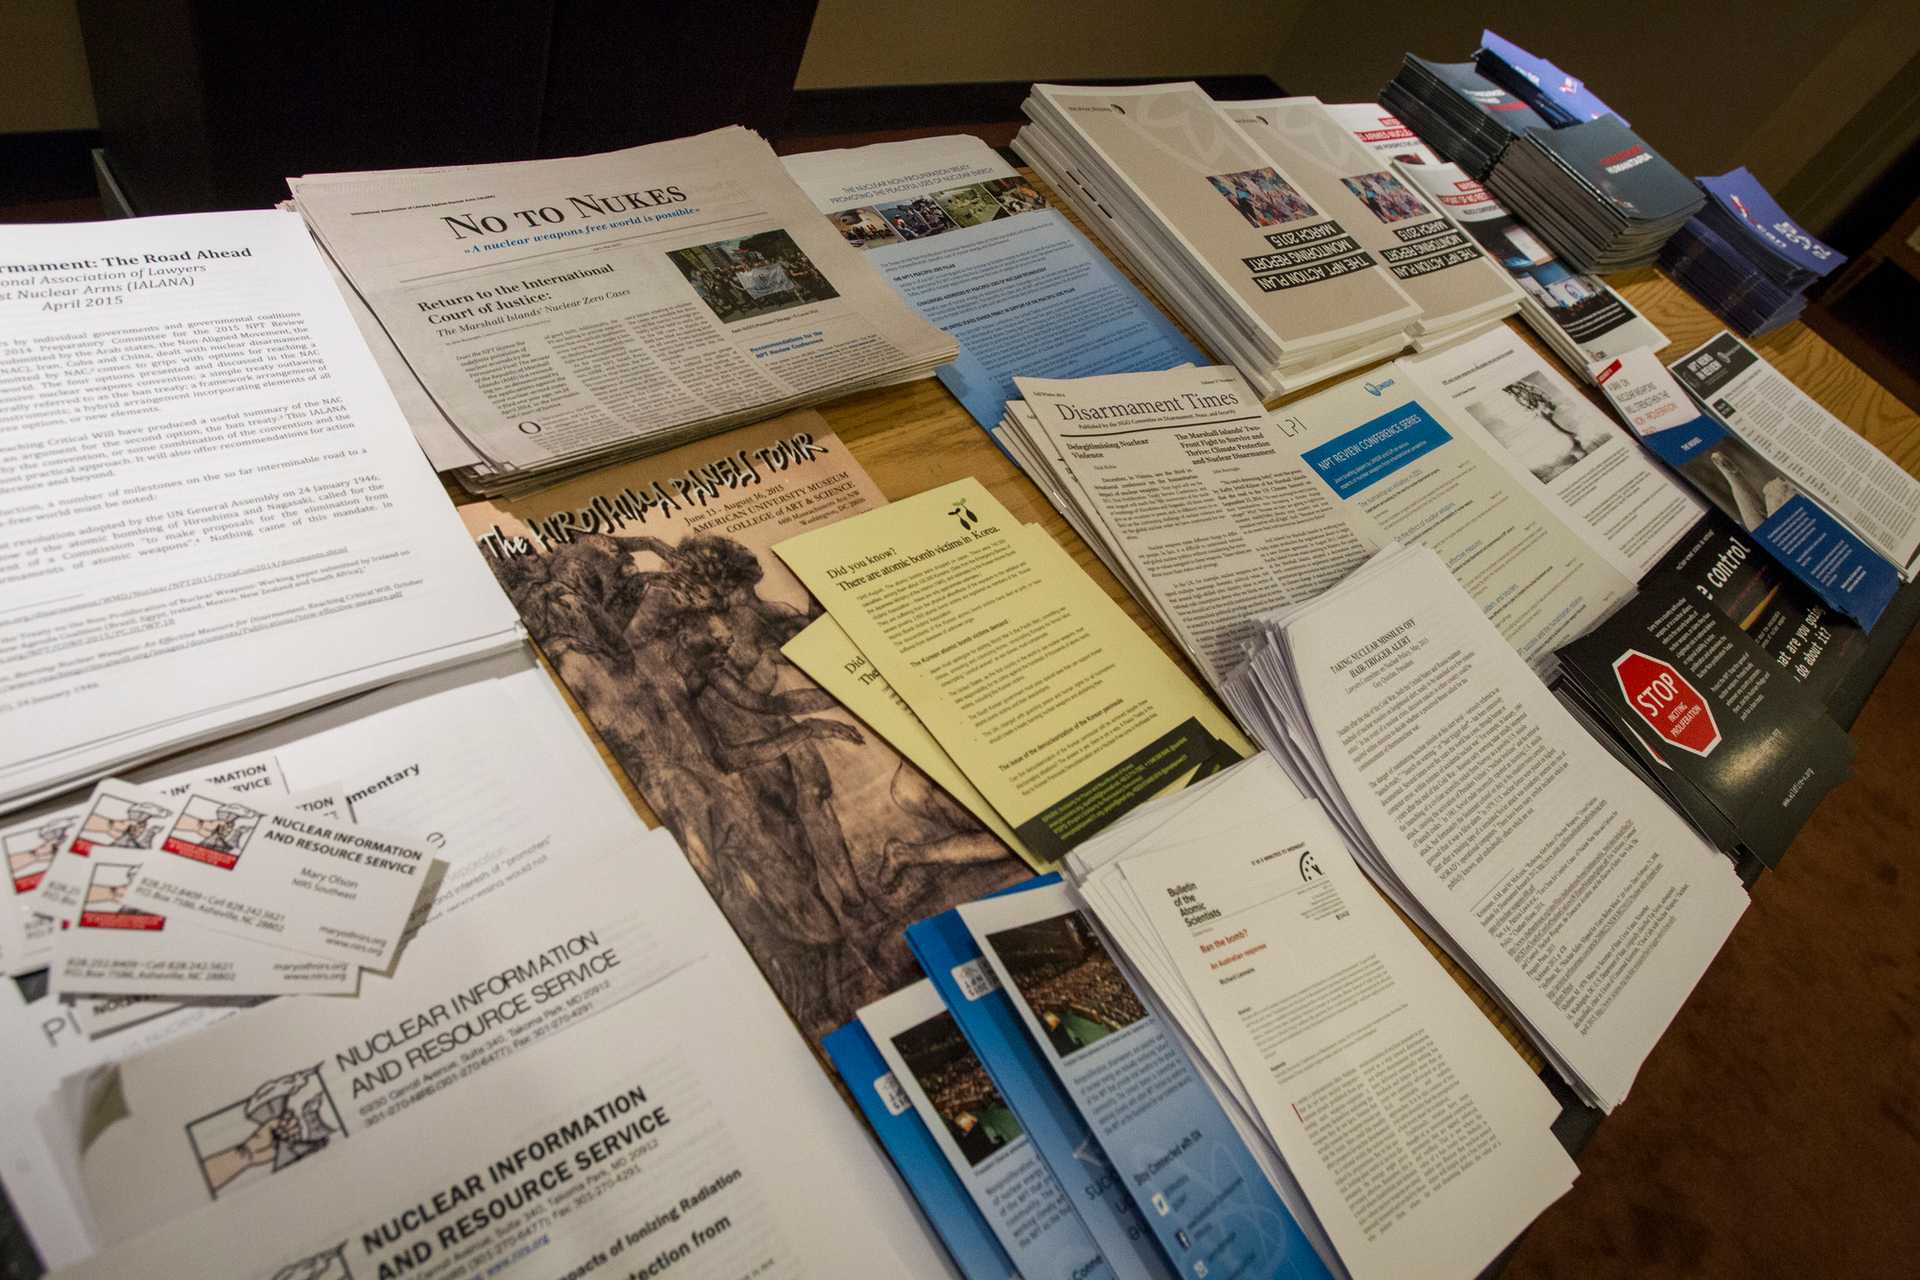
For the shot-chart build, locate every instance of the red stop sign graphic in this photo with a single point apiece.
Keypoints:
(1671, 707)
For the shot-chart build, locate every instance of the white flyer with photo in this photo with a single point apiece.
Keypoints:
(248, 868)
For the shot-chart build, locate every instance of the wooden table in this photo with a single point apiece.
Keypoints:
(913, 437)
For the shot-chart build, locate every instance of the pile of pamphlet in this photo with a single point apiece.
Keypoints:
(1577, 315)
(243, 530)
(1441, 265)
(540, 318)
(1226, 233)
(1688, 700)
(1473, 800)
(1465, 116)
(1604, 199)
(1744, 257)
(1559, 98)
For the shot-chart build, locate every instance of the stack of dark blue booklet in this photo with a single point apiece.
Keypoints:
(1457, 111)
(1604, 199)
(1745, 258)
(1559, 98)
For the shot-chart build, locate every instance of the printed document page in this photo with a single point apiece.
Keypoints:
(1551, 433)
(975, 248)
(1588, 903)
(563, 308)
(1060, 710)
(684, 1128)
(212, 508)
(1419, 1135)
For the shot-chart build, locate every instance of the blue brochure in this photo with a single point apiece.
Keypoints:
(1193, 1180)
(1756, 213)
(969, 1240)
(1846, 574)
(1561, 98)
(946, 951)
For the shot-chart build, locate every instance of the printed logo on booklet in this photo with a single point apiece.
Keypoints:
(1671, 707)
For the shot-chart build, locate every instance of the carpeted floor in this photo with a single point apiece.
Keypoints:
(1775, 1131)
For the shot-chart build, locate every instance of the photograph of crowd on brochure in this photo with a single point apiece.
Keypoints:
(752, 276)
(978, 1119)
(1066, 976)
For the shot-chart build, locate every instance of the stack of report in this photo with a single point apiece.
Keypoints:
(1707, 717)
(1460, 290)
(1478, 805)
(1577, 315)
(1603, 198)
(1238, 912)
(1745, 258)
(1465, 116)
(538, 319)
(1226, 233)
(1559, 98)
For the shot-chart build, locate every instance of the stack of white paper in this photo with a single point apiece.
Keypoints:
(1222, 230)
(1376, 1093)
(1566, 888)
(544, 317)
(1213, 510)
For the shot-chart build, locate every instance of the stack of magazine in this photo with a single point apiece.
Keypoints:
(1577, 315)
(1226, 233)
(1442, 267)
(1559, 98)
(1603, 198)
(1468, 118)
(1744, 257)
(1516, 842)
(537, 319)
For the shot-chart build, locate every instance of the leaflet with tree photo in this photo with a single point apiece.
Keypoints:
(975, 248)
(1053, 703)
(565, 312)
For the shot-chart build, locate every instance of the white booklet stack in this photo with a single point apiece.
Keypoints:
(1568, 889)
(1460, 290)
(1370, 1087)
(1222, 230)
(1574, 313)
(544, 317)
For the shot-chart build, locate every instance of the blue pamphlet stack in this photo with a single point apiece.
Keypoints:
(1745, 258)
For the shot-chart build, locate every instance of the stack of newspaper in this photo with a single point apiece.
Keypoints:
(1213, 511)
(1224, 231)
(1559, 98)
(540, 318)
(1745, 257)
(1516, 842)
(1605, 199)
(1459, 288)
(1577, 315)
(1468, 118)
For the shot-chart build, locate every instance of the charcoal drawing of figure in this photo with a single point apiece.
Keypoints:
(819, 843)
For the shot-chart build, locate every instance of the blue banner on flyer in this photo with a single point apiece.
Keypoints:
(946, 1204)
(1199, 1189)
(1029, 295)
(1742, 196)
(1374, 450)
(949, 956)
(1843, 572)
